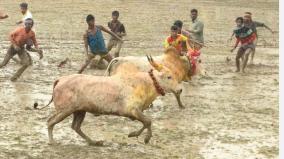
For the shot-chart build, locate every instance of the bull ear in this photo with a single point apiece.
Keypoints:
(157, 66)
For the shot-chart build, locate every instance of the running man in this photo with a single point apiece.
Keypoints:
(246, 36)
(253, 25)
(93, 39)
(27, 15)
(19, 38)
(196, 31)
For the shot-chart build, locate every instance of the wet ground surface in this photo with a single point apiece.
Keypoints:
(227, 115)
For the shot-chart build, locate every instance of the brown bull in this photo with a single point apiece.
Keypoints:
(77, 94)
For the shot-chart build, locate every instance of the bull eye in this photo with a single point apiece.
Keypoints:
(169, 77)
(199, 61)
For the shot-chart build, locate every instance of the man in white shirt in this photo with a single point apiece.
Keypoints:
(26, 13)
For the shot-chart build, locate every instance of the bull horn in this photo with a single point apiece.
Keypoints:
(157, 66)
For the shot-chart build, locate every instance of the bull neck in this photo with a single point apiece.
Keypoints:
(156, 84)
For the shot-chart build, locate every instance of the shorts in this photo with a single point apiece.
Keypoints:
(114, 43)
(90, 56)
(244, 47)
(30, 42)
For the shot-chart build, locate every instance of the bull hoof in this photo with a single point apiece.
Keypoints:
(147, 139)
(13, 79)
(53, 143)
(96, 143)
(133, 134)
(181, 107)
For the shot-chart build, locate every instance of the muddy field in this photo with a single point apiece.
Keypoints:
(228, 115)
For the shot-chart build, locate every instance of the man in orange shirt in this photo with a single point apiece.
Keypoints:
(19, 38)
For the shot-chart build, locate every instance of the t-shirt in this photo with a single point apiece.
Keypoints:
(253, 25)
(116, 27)
(244, 35)
(197, 29)
(20, 37)
(177, 42)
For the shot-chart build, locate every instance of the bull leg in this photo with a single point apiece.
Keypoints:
(146, 125)
(54, 120)
(177, 95)
(78, 118)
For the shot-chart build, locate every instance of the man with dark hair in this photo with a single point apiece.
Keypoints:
(179, 24)
(118, 28)
(248, 22)
(246, 36)
(3, 15)
(18, 40)
(175, 39)
(196, 31)
(26, 13)
(93, 39)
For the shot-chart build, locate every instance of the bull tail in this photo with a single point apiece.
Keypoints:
(108, 70)
(54, 85)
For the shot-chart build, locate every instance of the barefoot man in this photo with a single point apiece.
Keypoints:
(19, 38)
(248, 22)
(246, 36)
(93, 39)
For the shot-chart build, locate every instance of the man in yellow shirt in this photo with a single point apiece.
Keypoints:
(175, 39)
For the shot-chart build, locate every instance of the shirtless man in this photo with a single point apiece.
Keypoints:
(18, 40)
(93, 39)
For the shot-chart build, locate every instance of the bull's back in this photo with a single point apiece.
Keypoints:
(97, 94)
(126, 64)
